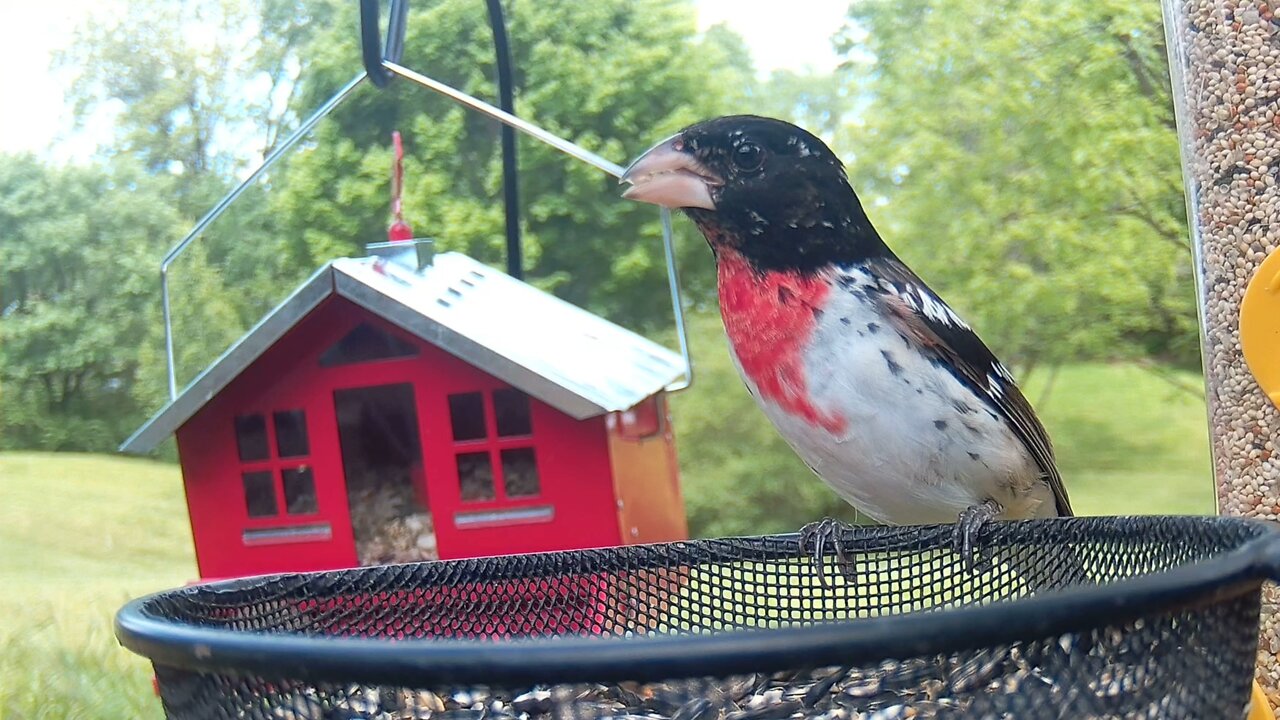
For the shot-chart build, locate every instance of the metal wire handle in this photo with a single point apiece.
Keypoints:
(484, 108)
(222, 206)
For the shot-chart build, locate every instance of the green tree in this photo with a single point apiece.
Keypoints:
(199, 89)
(77, 301)
(601, 74)
(821, 103)
(1021, 154)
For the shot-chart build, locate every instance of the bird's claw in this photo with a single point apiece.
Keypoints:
(815, 537)
(968, 525)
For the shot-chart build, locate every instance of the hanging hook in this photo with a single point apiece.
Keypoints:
(375, 51)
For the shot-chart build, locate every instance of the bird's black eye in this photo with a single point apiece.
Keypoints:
(748, 157)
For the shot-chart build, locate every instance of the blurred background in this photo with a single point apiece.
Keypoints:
(1021, 155)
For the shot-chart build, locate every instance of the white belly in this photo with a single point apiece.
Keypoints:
(919, 446)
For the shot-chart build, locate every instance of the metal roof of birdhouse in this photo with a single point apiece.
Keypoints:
(571, 359)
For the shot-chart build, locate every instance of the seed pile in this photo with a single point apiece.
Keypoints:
(1228, 55)
(390, 526)
(939, 687)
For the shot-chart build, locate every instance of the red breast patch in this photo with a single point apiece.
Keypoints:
(769, 318)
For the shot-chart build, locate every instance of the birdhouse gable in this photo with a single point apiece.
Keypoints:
(552, 350)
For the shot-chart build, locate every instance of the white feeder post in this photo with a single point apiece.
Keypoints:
(1224, 58)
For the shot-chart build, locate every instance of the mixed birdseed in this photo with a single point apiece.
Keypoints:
(1226, 68)
(390, 525)
(943, 687)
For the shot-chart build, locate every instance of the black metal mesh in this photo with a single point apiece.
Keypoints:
(1189, 661)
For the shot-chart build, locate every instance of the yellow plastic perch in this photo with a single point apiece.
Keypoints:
(1259, 709)
(1260, 344)
(1260, 326)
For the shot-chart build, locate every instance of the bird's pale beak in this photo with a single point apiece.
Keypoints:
(670, 176)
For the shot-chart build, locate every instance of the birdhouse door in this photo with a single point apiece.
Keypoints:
(382, 462)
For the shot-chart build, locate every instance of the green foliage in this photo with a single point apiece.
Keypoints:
(192, 81)
(821, 103)
(1022, 156)
(601, 75)
(193, 85)
(197, 90)
(78, 248)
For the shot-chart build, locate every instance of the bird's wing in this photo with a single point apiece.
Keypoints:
(920, 314)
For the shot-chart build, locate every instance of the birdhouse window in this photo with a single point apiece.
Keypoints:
(299, 491)
(366, 343)
(282, 483)
(512, 410)
(291, 433)
(494, 447)
(520, 473)
(259, 494)
(251, 437)
(475, 476)
(466, 412)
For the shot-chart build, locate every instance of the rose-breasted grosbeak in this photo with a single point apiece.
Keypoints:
(871, 378)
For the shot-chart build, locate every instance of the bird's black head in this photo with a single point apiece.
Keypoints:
(766, 188)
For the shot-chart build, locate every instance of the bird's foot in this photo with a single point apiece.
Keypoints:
(817, 536)
(969, 524)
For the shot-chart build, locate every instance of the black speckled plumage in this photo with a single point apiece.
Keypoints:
(779, 198)
(796, 211)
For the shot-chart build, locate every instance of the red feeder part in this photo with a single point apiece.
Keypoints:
(399, 230)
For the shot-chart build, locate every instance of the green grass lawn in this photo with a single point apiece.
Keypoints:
(82, 534)
(1127, 441)
(79, 536)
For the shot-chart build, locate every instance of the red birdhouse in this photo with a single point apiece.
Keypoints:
(402, 407)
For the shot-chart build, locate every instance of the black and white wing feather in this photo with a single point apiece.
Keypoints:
(923, 316)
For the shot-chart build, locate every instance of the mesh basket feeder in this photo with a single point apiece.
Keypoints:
(1136, 617)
